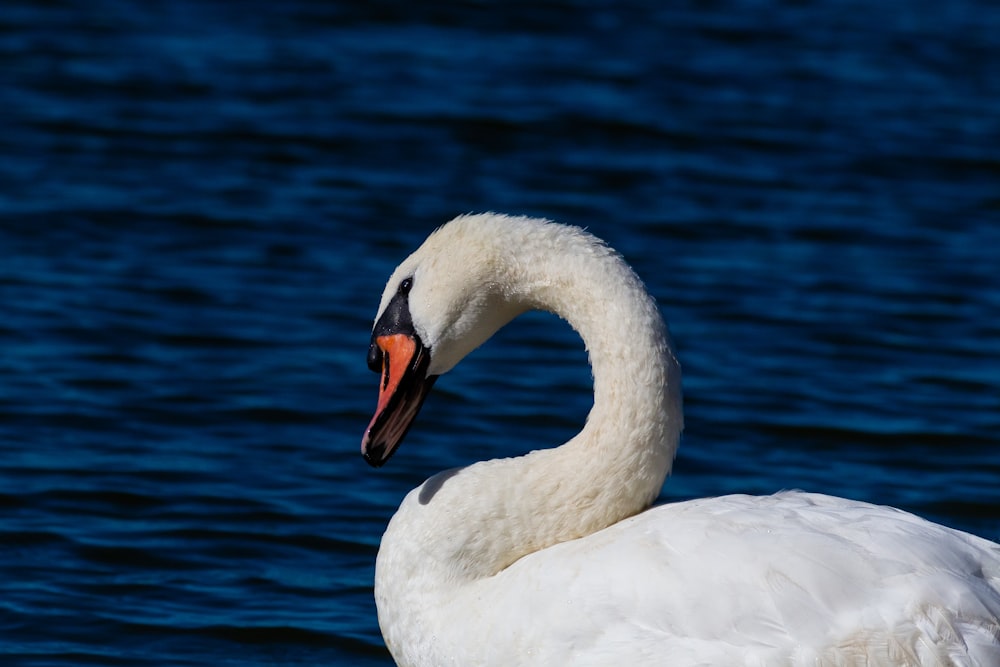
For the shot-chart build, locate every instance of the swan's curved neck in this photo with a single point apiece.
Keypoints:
(470, 523)
(616, 465)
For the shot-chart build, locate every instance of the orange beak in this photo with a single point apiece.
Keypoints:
(404, 386)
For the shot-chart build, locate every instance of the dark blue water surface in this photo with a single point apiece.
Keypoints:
(200, 202)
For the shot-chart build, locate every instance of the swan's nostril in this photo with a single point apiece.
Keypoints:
(375, 357)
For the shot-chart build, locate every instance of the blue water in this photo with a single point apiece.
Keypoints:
(200, 202)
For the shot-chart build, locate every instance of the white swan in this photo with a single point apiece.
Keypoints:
(549, 559)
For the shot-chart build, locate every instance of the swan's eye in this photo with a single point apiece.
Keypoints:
(405, 286)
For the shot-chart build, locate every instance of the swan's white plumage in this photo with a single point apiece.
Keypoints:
(548, 559)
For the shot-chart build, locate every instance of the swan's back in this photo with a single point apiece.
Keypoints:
(789, 579)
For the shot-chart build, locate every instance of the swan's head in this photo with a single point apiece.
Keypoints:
(442, 302)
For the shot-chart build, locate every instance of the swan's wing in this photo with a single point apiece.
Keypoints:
(793, 578)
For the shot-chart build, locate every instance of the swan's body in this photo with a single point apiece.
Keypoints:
(549, 558)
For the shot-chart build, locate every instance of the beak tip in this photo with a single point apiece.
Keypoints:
(374, 455)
